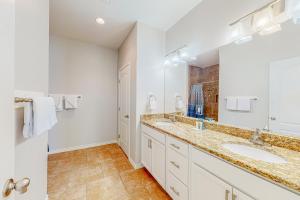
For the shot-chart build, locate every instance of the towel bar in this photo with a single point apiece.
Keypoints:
(22, 100)
(251, 98)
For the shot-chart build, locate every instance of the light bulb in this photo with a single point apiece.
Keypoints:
(100, 20)
(244, 39)
(175, 59)
(167, 62)
(262, 19)
(240, 34)
(270, 29)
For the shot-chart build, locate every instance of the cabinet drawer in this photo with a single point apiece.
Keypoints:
(160, 137)
(178, 165)
(176, 189)
(178, 146)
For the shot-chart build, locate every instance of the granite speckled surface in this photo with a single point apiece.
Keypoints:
(286, 175)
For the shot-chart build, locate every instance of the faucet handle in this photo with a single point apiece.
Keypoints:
(257, 131)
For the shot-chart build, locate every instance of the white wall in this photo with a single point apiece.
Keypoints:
(31, 74)
(150, 74)
(206, 27)
(143, 50)
(176, 83)
(128, 56)
(90, 71)
(244, 71)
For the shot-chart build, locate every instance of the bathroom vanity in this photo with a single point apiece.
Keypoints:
(194, 165)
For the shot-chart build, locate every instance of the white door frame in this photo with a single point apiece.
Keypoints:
(119, 116)
(7, 62)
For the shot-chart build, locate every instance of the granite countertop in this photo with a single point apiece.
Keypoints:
(286, 175)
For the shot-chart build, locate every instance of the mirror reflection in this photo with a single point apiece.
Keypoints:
(253, 84)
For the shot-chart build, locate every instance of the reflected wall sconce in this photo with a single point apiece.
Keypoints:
(177, 56)
(293, 10)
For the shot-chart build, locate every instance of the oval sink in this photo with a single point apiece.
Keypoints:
(163, 123)
(254, 153)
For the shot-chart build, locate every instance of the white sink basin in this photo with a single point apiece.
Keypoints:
(163, 123)
(254, 153)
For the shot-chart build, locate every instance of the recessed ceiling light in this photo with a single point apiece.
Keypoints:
(100, 20)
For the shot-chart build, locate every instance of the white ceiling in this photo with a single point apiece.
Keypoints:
(76, 18)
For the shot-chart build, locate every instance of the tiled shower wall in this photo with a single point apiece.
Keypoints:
(209, 77)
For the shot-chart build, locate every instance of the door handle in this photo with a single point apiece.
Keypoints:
(20, 186)
(126, 116)
(273, 118)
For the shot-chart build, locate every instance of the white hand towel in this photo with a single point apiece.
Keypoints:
(44, 115)
(152, 103)
(28, 120)
(244, 104)
(231, 103)
(71, 102)
(59, 100)
(179, 104)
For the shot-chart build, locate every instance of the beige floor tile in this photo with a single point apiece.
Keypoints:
(99, 173)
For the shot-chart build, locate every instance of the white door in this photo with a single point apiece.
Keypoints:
(7, 90)
(124, 108)
(158, 162)
(146, 152)
(204, 186)
(284, 114)
(238, 195)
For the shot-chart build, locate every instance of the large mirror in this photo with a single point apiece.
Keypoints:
(250, 85)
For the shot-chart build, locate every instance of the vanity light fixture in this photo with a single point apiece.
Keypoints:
(264, 21)
(100, 20)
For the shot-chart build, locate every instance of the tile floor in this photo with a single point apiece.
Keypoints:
(100, 173)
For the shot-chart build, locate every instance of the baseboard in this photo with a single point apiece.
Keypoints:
(47, 197)
(135, 165)
(81, 147)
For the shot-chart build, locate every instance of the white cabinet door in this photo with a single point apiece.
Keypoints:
(158, 162)
(205, 186)
(238, 195)
(146, 152)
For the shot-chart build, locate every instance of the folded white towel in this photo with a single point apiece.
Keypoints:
(244, 104)
(71, 102)
(28, 120)
(44, 115)
(59, 101)
(231, 103)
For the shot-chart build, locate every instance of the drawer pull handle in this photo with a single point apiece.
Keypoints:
(176, 165)
(227, 194)
(175, 146)
(174, 190)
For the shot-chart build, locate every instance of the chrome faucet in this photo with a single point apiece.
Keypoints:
(256, 138)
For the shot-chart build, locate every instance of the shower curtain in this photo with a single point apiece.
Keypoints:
(196, 102)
